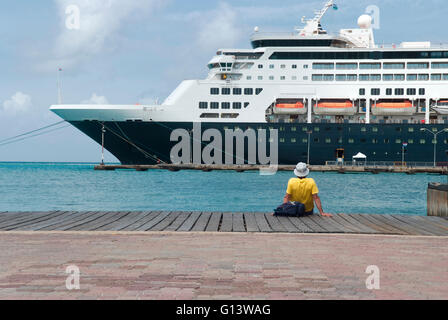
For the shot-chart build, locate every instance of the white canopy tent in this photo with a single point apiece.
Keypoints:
(360, 157)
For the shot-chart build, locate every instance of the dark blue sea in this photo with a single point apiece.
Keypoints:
(77, 187)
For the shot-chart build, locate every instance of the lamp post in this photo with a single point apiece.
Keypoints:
(309, 146)
(435, 134)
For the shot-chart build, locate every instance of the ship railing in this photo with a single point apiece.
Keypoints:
(382, 164)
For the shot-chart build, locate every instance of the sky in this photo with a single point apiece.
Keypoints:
(138, 51)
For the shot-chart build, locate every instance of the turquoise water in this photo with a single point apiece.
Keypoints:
(73, 187)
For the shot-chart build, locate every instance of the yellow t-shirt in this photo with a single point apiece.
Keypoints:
(302, 190)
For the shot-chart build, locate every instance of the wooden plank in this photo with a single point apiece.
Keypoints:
(31, 222)
(65, 216)
(428, 224)
(424, 229)
(189, 223)
(109, 217)
(78, 216)
(214, 222)
(362, 227)
(328, 224)
(251, 222)
(88, 219)
(300, 225)
(313, 225)
(274, 223)
(377, 224)
(201, 223)
(238, 222)
(11, 216)
(150, 224)
(181, 218)
(130, 219)
(262, 223)
(343, 224)
(440, 221)
(146, 217)
(26, 218)
(395, 224)
(165, 223)
(227, 222)
(404, 225)
(288, 225)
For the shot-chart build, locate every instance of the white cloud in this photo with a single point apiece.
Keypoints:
(220, 28)
(95, 99)
(100, 21)
(19, 102)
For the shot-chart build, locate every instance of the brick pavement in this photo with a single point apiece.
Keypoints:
(221, 266)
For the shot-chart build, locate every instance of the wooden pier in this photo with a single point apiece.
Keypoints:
(176, 221)
(244, 168)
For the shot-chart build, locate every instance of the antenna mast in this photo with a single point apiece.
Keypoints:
(312, 25)
(59, 87)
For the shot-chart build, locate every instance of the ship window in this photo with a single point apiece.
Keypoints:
(249, 77)
(225, 91)
(282, 78)
(374, 141)
(214, 91)
(260, 66)
(436, 77)
(423, 77)
(294, 66)
(293, 140)
(271, 66)
(225, 105)
(389, 92)
(374, 129)
(293, 129)
(246, 104)
(237, 91)
(411, 141)
(411, 92)
(346, 66)
(393, 66)
(445, 77)
(353, 55)
(422, 141)
(305, 78)
(351, 140)
(210, 115)
(260, 77)
(328, 77)
(376, 92)
(203, 105)
(305, 66)
(386, 141)
(362, 92)
(271, 77)
(341, 77)
(421, 92)
(399, 92)
(398, 77)
(398, 141)
(363, 77)
(258, 91)
(323, 66)
(411, 129)
(248, 91)
(388, 77)
(304, 140)
(412, 77)
(214, 105)
(439, 65)
(370, 66)
(237, 105)
(316, 129)
(282, 66)
(316, 140)
(418, 65)
(229, 115)
(317, 77)
(352, 77)
(375, 77)
(327, 140)
(363, 129)
(294, 78)
(282, 140)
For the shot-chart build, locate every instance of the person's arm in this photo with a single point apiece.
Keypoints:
(319, 206)
(287, 198)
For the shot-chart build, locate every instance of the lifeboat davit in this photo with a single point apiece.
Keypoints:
(404, 107)
(335, 107)
(290, 108)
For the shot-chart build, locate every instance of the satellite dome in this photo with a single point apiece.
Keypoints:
(365, 21)
(256, 29)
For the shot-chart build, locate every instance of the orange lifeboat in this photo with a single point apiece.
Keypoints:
(335, 105)
(394, 105)
(290, 108)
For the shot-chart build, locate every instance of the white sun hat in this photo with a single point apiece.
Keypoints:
(301, 170)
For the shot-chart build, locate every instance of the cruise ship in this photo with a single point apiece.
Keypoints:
(322, 96)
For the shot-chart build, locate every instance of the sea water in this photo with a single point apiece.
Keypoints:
(77, 187)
